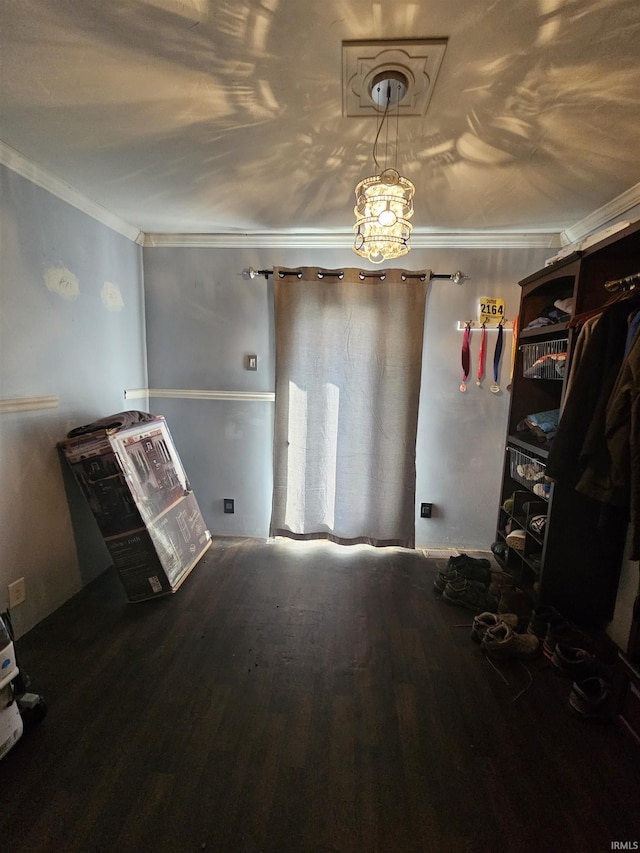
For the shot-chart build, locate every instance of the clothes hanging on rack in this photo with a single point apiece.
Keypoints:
(579, 348)
(596, 446)
(581, 426)
(622, 431)
(617, 296)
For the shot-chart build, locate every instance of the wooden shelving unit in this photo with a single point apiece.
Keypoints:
(570, 566)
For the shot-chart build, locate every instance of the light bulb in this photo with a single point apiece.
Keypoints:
(387, 217)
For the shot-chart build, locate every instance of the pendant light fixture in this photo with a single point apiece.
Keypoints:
(384, 202)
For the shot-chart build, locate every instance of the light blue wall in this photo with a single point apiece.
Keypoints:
(203, 318)
(83, 348)
(194, 318)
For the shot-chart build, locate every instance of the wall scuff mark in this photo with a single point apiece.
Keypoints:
(62, 281)
(111, 297)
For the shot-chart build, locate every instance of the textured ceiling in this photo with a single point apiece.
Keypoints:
(223, 116)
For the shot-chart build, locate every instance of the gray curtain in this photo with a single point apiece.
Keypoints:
(348, 363)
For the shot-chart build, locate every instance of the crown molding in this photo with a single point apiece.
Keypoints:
(458, 239)
(621, 205)
(344, 240)
(15, 161)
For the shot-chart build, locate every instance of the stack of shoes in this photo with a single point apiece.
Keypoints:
(465, 583)
(464, 567)
(483, 621)
(470, 594)
(502, 643)
(592, 698)
(465, 560)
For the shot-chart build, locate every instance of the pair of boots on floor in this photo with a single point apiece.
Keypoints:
(591, 693)
(468, 582)
(502, 612)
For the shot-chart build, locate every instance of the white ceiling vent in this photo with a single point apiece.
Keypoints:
(363, 62)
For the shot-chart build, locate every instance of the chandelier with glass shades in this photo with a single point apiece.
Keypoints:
(384, 202)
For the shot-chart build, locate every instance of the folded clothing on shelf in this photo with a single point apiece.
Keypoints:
(549, 366)
(559, 312)
(529, 472)
(542, 425)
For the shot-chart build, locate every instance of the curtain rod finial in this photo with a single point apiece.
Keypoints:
(458, 277)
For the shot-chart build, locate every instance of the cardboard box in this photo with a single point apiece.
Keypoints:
(138, 491)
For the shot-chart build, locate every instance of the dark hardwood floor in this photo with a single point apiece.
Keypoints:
(302, 698)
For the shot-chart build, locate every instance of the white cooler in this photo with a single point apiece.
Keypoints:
(10, 719)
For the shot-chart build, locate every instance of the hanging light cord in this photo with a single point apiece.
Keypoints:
(384, 116)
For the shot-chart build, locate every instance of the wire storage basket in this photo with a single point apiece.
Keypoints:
(545, 359)
(529, 471)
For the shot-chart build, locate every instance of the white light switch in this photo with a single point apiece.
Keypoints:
(252, 362)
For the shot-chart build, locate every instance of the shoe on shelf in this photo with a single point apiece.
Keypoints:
(592, 698)
(471, 595)
(500, 550)
(502, 643)
(483, 621)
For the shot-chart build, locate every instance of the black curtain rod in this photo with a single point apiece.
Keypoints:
(457, 277)
(629, 282)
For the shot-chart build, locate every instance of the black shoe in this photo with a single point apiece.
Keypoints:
(471, 568)
(542, 617)
(500, 550)
(577, 663)
(592, 698)
(471, 595)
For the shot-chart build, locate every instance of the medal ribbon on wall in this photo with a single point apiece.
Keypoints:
(496, 360)
(466, 357)
(482, 354)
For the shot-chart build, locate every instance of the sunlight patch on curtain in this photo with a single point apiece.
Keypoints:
(311, 488)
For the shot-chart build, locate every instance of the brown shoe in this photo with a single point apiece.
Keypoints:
(502, 643)
(483, 621)
(515, 600)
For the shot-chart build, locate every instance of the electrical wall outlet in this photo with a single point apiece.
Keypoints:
(229, 505)
(17, 593)
(426, 510)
